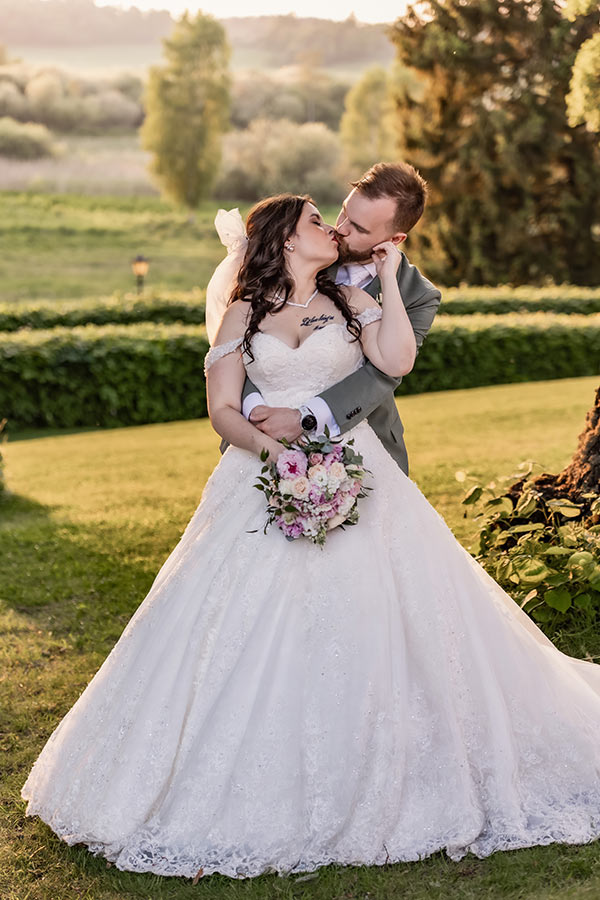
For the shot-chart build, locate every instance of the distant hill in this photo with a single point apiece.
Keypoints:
(274, 40)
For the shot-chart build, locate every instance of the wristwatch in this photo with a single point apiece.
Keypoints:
(308, 420)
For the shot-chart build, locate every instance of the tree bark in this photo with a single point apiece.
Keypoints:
(581, 476)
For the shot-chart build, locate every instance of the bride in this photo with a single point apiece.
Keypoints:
(276, 706)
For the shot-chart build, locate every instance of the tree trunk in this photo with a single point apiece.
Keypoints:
(582, 475)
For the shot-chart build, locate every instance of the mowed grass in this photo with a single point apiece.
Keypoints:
(91, 517)
(71, 245)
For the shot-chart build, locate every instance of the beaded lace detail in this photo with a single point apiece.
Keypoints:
(219, 351)
(275, 707)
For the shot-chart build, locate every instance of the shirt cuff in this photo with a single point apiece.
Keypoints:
(323, 415)
(252, 400)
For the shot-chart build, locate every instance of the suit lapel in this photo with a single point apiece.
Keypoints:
(374, 287)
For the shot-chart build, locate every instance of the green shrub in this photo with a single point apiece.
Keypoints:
(102, 375)
(562, 299)
(24, 140)
(544, 552)
(120, 309)
(127, 374)
(269, 157)
(477, 350)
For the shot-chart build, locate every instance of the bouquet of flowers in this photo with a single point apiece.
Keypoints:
(313, 487)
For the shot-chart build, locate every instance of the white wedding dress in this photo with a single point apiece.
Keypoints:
(275, 706)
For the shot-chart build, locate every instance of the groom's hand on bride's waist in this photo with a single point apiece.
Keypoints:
(277, 421)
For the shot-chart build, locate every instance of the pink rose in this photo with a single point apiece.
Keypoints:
(291, 464)
(328, 459)
(355, 488)
(315, 459)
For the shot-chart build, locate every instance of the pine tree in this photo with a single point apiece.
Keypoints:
(187, 109)
(515, 190)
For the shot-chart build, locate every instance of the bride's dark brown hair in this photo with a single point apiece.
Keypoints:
(263, 272)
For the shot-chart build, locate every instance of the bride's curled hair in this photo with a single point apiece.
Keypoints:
(264, 274)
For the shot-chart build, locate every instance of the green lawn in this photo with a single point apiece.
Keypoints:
(71, 245)
(92, 516)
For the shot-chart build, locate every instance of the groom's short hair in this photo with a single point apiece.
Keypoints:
(402, 183)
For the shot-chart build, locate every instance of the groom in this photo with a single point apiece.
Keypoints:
(383, 206)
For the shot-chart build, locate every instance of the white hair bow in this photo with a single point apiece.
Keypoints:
(232, 233)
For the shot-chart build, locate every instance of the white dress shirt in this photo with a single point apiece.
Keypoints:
(358, 274)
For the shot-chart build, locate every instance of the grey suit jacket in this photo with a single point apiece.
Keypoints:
(368, 392)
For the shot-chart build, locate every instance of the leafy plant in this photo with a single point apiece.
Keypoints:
(544, 552)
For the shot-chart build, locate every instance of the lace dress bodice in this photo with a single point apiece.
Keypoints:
(287, 376)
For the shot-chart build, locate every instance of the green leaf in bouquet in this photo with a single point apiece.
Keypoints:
(264, 454)
(290, 508)
(259, 487)
(557, 551)
(264, 481)
(558, 598)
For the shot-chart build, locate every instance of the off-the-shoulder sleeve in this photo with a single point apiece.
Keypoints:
(220, 351)
(370, 314)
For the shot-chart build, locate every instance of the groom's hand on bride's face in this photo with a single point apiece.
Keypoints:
(277, 421)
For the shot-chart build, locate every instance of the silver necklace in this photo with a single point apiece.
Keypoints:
(303, 305)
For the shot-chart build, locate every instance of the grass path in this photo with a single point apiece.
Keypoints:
(91, 518)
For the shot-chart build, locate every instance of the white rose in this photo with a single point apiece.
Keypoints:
(285, 486)
(346, 504)
(318, 475)
(337, 470)
(300, 487)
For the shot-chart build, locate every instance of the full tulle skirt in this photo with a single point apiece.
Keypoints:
(275, 706)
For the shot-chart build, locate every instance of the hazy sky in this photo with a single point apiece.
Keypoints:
(364, 10)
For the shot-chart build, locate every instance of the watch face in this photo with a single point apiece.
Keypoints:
(309, 422)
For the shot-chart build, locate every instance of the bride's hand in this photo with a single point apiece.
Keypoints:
(387, 258)
(274, 448)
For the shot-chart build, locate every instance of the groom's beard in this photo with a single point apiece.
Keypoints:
(348, 255)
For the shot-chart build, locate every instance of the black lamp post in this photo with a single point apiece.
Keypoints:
(140, 266)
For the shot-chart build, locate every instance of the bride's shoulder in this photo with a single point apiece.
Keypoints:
(234, 322)
(359, 300)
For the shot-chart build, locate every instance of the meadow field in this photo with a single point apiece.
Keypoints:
(91, 516)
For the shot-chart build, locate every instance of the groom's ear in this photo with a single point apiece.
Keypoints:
(398, 238)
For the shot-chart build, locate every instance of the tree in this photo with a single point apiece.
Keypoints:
(187, 109)
(367, 129)
(515, 190)
(583, 100)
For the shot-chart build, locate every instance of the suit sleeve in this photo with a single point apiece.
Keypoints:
(355, 398)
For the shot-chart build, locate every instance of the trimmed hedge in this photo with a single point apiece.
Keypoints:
(129, 374)
(102, 375)
(188, 307)
(173, 306)
(561, 299)
(477, 350)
